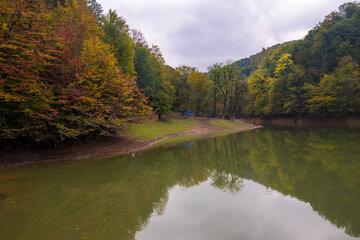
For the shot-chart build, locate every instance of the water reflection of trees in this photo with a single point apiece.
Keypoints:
(319, 167)
(115, 198)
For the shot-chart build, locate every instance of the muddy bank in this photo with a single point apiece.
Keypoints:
(100, 147)
(308, 121)
(103, 146)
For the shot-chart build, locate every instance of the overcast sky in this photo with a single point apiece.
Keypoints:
(199, 33)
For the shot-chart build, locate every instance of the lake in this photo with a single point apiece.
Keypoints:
(273, 183)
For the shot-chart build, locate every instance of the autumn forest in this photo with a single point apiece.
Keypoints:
(69, 70)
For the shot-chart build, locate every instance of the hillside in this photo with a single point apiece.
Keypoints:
(318, 75)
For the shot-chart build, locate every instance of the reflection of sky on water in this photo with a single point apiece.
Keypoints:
(205, 212)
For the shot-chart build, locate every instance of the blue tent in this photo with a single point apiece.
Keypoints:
(186, 113)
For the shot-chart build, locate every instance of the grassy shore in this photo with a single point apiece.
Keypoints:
(158, 128)
(170, 130)
(175, 126)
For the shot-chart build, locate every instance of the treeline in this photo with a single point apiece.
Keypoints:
(221, 92)
(67, 71)
(318, 75)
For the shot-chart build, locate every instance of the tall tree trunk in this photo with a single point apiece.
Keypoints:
(230, 107)
(214, 107)
(224, 108)
(236, 98)
(197, 108)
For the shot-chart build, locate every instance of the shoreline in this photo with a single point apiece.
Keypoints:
(101, 147)
(352, 121)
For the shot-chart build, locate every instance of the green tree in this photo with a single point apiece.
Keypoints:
(239, 94)
(228, 88)
(117, 34)
(182, 86)
(149, 66)
(163, 100)
(257, 93)
(337, 93)
(200, 87)
(153, 75)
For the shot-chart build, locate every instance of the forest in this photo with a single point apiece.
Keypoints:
(69, 70)
(317, 76)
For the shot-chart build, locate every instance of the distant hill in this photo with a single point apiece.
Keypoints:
(318, 75)
(250, 64)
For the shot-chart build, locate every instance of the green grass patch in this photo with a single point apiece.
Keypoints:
(157, 129)
(226, 124)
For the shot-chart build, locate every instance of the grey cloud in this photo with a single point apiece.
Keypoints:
(200, 33)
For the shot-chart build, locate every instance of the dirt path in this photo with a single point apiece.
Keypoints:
(204, 126)
(103, 146)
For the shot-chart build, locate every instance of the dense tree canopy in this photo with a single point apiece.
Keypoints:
(59, 80)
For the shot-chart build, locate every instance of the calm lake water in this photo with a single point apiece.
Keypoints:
(267, 184)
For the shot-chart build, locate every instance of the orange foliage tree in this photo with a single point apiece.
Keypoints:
(58, 79)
